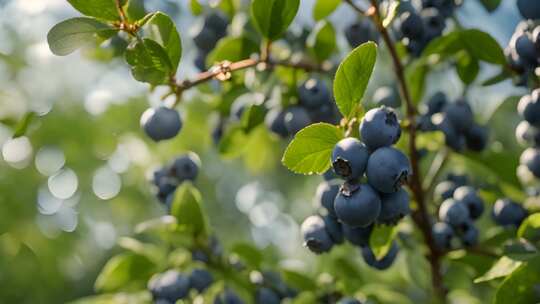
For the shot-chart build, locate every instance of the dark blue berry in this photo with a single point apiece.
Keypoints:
(275, 122)
(361, 32)
(460, 115)
(170, 285)
(357, 205)
(349, 158)
(358, 236)
(454, 213)
(394, 206)
(296, 118)
(388, 169)
(316, 237)
(469, 197)
(161, 123)
(380, 128)
(326, 195)
(385, 262)
(334, 229)
(508, 213)
(442, 235)
(531, 159)
(313, 93)
(186, 167)
(201, 279)
(266, 296)
(529, 108)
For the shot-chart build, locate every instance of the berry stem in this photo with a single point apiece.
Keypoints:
(420, 216)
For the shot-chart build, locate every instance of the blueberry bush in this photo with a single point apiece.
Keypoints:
(422, 195)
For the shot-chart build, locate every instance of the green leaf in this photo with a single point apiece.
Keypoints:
(502, 76)
(72, 34)
(233, 143)
(249, 254)
(124, 271)
(310, 150)
(381, 238)
(352, 77)
(164, 223)
(162, 29)
(232, 49)
(135, 10)
(149, 62)
(139, 297)
(503, 267)
(322, 40)
(187, 209)
(530, 228)
(521, 286)
(23, 124)
(490, 5)
(273, 17)
(323, 8)
(196, 7)
(252, 117)
(298, 280)
(467, 68)
(415, 75)
(101, 9)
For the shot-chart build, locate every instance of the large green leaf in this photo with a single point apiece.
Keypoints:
(101, 9)
(187, 209)
(503, 267)
(352, 77)
(324, 8)
(381, 238)
(273, 17)
(162, 29)
(530, 228)
(310, 150)
(232, 49)
(521, 286)
(322, 40)
(72, 34)
(149, 62)
(124, 271)
(467, 68)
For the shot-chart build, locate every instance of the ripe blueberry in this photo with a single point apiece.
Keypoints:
(205, 39)
(358, 236)
(527, 135)
(470, 236)
(383, 263)
(434, 23)
(469, 197)
(313, 93)
(161, 123)
(454, 213)
(452, 137)
(186, 167)
(361, 32)
(349, 158)
(333, 227)
(379, 128)
(394, 206)
(266, 295)
(508, 213)
(316, 238)
(442, 235)
(476, 138)
(444, 190)
(275, 122)
(531, 159)
(523, 46)
(228, 297)
(436, 103)
(359, 206)
(200, 279)
(529, 108)
(325, 196)
(387, 96)
(529, 9)
(388, 169)
(296, 118)
(217, 22)
(411, 25)
(170, 285)
(460, 115)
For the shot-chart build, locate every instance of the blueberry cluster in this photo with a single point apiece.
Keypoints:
(360, 32)
(523, 51)
(168, 178)
(461, 206)
(456, 121)
(161, 123)
(528, 132)
(353, 208)
(416, 28)
(171, 286)
(206, 37)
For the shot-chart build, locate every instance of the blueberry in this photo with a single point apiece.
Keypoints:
(442, 235)
(165, 192)
(508, 213)
(350, 158)
(273, 280)
(316, 238)
(325, 196)
(529, 108)
(524, 47)
(200, 279)
(228, 297)
(425, 124)
(527, 135)
(199, 255)
(388, 169)
(469, 197)
(218, 22)
(296, 118)
(200, 61)
(415, 47)
(205, 39)
(444, 190)
(531, 159)
(460, 115)
(359, 206)
(333, 227)
(379, 128)
(436, 103)
(469, 237)
(161, 123)
(529, 9)
(266, 296)
(394, 206)
(387, 96)
(361, 32)
(186, 167)
(476, 138)
(313, 93)
(385, 262)
(275, 122)
(434, 23)
(446, 7)
(458, 179)
(170, 285)
(536, 37)
(349, 301)
(454, 213)
(411, 25)
(452, 137)
(329, 175)
(327, 112)
(358, 236)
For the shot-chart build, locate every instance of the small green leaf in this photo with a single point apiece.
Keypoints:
(101, 9)
(232, 49)
(467, 68)
(352, 77)
(530, 228)
(502, 76)
(252, 117)
(23, 124)
(196, 7)
(162, 29)
(322, 40)
(135, 9)
(503, 267)
(248, 253)
(323, 8)
(187, 209)
(149, 61)
(233, 143)
(124, 271)
(298, 280)
(310, 150)
(72, 34)
(490, 5)
(521, 286)
(380, 240)
(273, 17)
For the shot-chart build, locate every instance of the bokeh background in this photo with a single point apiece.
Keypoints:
(76, 183)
